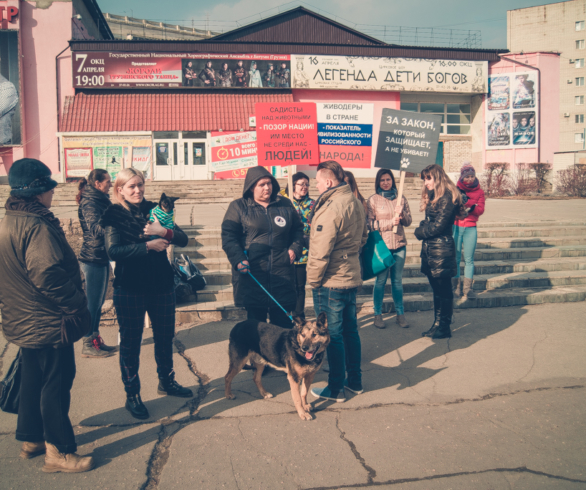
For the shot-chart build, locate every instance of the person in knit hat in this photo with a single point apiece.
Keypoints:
(465, 232)
(44, 311)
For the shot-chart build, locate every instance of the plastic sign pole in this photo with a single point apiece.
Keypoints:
(400, 196)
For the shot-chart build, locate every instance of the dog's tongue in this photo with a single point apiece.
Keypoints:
(309, 355)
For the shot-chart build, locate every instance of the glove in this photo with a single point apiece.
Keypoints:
(471, 208)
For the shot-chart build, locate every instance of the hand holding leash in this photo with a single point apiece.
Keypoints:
(244, 267)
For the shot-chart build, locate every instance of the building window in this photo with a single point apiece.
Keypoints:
(579, 100)
(579, 81)
(456, 118)
(579, 62)
(580, 25)
(578, 137)
(579, 118)
(580, 44)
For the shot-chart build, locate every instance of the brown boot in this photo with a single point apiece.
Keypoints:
(402, 322)
(67, 463)
(379, 322)
(468, 292)
(31, 449)
(457, 286)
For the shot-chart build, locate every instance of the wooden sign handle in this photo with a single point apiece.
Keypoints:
(290, 170)
(400, 196)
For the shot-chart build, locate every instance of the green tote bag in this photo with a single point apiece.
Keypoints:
(376, 256)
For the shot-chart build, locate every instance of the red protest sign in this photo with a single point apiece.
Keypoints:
(286, 134)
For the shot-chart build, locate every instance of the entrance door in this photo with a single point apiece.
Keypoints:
(180, 156)
(165, 159)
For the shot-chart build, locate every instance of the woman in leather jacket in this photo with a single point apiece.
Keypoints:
(442, 202)
(143, 283)
(93, 200)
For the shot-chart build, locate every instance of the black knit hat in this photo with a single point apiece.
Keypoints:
(29, 177)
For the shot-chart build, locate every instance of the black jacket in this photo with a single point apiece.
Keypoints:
(137, 269)
(92, 205)
(267, 235)
(438, 251)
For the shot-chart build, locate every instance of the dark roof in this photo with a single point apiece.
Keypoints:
(295, 25)
(161, 111)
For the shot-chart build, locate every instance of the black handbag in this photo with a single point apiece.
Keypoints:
(10, 387)
(189, 273)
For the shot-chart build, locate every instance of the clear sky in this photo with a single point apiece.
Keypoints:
(490, 17)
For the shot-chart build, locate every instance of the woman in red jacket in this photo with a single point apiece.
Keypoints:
(465, 230)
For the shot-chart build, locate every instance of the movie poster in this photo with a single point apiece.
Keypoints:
(508, 122)
(499, 91)
(10, 133)
(499, 129)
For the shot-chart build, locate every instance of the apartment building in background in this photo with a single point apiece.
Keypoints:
(561, 28)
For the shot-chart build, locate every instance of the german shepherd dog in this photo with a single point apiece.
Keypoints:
(298, 351)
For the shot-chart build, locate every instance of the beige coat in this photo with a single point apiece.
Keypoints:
(380, 217)
(338, 232)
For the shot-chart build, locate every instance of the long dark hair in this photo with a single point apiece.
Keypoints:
(296, 177)
(96, 175)
(379, 176)
(351, 181)
(442, 183)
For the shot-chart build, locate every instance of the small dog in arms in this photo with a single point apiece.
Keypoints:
(298, 351)
(165, 212)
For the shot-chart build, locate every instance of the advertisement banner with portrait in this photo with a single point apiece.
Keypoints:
(232, 152)
(10, 103)
(345, 133)
(512, 111)
(180, 70)
(395, 74)
(110, 152)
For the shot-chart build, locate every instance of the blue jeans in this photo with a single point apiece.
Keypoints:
(96, 285)
(344, 351)
(467, 236)
(396, 272)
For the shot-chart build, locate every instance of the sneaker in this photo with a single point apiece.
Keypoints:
(328, 394)
(91, 348)
(103, 346)
(379, 322)
(356, 390)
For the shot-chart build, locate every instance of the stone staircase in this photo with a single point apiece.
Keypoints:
(517, 263)
(208, 191)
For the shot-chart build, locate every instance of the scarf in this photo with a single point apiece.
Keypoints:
(391, 194)
(35, 207)
(468, 187)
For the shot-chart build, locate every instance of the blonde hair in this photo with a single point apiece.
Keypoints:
(442, 182)
(124, 176)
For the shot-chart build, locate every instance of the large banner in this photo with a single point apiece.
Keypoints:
(345, 133)
(112, 153)
(512, 111)
(407, 141)
(396, 74)
(287, 134)
(180, 70)
(232, 151)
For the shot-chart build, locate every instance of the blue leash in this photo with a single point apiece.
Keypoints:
(269, 294)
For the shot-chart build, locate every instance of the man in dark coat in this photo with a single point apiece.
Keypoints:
(44, 310)
(263, 234)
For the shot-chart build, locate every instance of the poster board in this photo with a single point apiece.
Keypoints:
(78, 161)
(232, 151)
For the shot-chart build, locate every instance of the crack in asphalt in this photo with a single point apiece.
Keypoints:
(533, 357)
(370, 472)
(234, 473)
(521, 469)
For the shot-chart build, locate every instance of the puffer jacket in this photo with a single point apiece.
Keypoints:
(475, 195)
(303, 207)
(41, 281)
(137, 269)
(438, 251)
(266, 235)
(381, 212)
(338, 232)
(92, 205)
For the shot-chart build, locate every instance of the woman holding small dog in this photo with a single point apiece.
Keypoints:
(442, 202)
(263, 234)
(93, 199)
(143, 284)
(384, 213)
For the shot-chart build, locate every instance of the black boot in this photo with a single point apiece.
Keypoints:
(437, 312)
(136, 407)
(443, 331)
(168, 386)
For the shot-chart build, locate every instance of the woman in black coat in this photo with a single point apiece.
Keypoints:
(93, 200)
(442, 202)
(143, 283)
(262, 233)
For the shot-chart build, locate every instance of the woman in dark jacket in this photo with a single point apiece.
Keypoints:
(44, 310)
(262, 233)
(93, 200)
(143, 284)
(442, 202)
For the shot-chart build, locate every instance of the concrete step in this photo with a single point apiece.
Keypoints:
(412, 302)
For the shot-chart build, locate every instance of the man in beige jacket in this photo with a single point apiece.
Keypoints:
(338, 232)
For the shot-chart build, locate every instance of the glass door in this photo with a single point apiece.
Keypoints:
(194, 160)
(165, 159)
